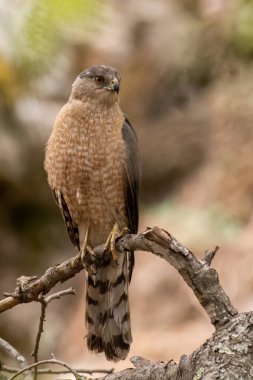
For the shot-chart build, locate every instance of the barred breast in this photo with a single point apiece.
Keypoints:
(85, 162)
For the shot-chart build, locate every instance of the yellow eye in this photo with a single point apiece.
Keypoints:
(99, 79)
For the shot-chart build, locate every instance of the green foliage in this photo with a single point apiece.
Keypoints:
(243, 38)
(46, 23)
(200, 222)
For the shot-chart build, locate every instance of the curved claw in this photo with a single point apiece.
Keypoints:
(87, 248)
(110, 244)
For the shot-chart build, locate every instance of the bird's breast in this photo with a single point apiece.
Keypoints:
(85, 161)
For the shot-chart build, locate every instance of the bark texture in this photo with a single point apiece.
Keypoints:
(227, 354)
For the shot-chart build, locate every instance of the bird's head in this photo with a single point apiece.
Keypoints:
(100, 82)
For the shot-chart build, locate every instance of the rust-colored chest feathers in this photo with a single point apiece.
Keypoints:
(85, 162)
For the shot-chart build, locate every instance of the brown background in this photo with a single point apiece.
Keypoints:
(187, 88)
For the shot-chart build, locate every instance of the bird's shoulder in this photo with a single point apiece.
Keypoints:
(73, 112)
(71, 109)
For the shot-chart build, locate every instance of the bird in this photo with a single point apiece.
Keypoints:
(92, 163)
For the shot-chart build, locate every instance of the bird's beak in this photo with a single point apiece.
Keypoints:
(114, 86)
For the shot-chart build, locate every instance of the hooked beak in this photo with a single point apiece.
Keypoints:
(114, 86)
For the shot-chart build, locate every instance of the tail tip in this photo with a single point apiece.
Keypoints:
(115, 350)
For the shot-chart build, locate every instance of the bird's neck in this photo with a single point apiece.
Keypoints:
(103, 101)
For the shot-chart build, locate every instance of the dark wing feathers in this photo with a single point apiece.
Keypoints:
(71, 226)
(132, 182)
(132, 175)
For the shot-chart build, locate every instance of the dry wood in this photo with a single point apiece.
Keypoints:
(228, 354)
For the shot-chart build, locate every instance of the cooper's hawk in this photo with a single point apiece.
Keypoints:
(92, 164)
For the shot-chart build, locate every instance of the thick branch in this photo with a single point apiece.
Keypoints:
(228, 354)
(202, 279)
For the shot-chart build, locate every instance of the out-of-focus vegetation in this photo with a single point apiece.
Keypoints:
(187, 87)
(46, 26)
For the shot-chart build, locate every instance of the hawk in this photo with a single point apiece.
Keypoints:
(92, 164)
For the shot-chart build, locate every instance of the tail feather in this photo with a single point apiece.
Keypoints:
(107, 310)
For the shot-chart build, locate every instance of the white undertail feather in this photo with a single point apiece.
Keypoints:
(107, 310)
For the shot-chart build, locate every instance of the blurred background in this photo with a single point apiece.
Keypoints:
(187, 68)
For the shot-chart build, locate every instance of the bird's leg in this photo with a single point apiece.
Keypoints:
(86, 247)
(115, 233)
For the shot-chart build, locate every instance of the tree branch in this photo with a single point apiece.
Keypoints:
(202, 279)
(51, 371)
(9, 350)
(44, 301)
(227, 355)
(51, 361)
(197, 273)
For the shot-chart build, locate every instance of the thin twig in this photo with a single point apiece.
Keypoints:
(34, 287)
(50, 371)
(9, 350)
(39, 333)
(209, 255)
(65, 292)
(51, 361)
(44, 303)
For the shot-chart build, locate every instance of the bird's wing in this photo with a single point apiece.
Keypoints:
(71, 226)
(132, 166)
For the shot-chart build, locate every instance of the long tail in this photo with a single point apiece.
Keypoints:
(107, 309)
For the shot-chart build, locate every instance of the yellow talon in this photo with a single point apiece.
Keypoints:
(86, 247)
(115, 233)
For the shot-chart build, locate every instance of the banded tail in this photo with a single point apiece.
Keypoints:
(107, 309)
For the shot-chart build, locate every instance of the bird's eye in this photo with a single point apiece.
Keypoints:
(99, 79)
